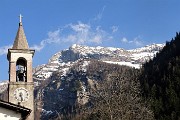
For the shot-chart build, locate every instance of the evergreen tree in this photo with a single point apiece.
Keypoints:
(160, 81)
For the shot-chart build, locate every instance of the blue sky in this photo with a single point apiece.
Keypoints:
(54, 25)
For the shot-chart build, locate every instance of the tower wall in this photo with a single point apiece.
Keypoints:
(14, 55)
(30, 102)
(21, 85)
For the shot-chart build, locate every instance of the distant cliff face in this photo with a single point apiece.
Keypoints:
(3, 90)
(3, 86)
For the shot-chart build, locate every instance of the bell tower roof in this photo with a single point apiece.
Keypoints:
(20, 40)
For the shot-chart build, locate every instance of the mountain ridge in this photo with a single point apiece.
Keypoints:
(44, 71)
(67, 57)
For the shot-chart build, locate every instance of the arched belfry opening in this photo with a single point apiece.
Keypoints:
(21, 70)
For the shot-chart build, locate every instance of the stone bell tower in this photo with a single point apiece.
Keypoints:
(21, 86)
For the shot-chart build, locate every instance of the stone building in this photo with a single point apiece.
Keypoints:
(10, 111)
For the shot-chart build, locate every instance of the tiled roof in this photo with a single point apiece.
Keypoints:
(20, 40)
(23, 110)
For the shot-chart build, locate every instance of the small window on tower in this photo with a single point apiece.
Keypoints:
(21, 70)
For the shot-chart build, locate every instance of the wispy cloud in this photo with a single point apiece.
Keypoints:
(100, 14)
(136, 41)
(53, 37)
(4, 49)
(114, 29)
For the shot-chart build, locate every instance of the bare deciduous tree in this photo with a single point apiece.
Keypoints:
(118, 98)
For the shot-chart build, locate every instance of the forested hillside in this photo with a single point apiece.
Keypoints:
(160, 81)
(109, 92)
(117, 96)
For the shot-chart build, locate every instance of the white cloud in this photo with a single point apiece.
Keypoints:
(124, 40)
(114, 29)
(83, 34)
(53, 37)
(79, 33)
(37, 47)
(4, 49)
(80, 27)
(136, 41)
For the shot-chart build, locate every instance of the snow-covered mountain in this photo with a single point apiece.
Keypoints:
(71, 74)
(63, 60)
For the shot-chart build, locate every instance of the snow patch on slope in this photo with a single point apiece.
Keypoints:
(130, 64)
